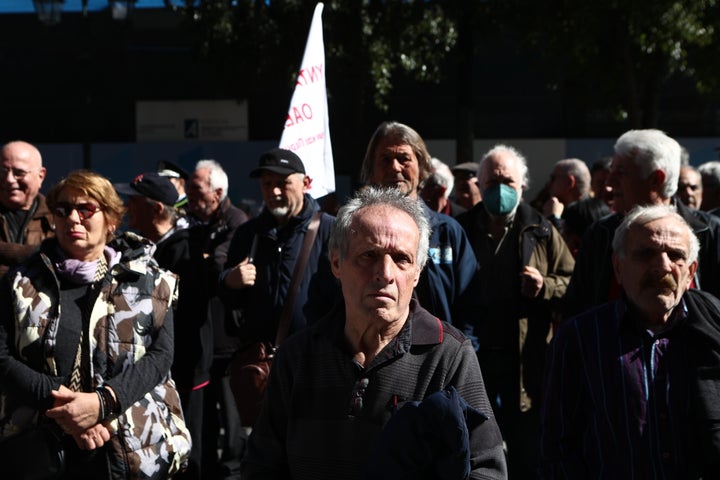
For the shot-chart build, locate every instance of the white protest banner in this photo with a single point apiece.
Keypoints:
(307, 128)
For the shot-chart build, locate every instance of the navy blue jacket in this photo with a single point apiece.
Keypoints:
(255, 311)
(449, 270)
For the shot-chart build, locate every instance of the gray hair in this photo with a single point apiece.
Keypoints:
(710, 172)
(378, 196)
(170, 213)
(522, 162)
(404, 135)
(442, 176)
(642, 215)
(652, 150)
(218, 177)
(578, 169)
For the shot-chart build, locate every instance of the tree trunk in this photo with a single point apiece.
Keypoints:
(465, 134)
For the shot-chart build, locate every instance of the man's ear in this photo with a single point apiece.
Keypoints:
(617, 266)
(335, 263)
(657, 180)
(417, 277)
(693, 269)
(572, 181)
(307, 183)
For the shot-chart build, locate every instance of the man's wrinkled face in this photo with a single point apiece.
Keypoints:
(655, 270)
(380, 268)
(395, 165)
(21, 175)
(629, 186)
(503, 168)
(690, 187)
(203, 201)
(284, 194)
(467, 192)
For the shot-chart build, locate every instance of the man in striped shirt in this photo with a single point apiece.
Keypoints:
(632, 385)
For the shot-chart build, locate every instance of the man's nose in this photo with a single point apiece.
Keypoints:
(663, 263)
(384, 268)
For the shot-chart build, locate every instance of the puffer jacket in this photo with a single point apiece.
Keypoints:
(150, 439)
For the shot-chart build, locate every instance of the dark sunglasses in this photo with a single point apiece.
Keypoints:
(84, 210)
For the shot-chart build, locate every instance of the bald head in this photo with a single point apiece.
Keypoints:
(21, 175)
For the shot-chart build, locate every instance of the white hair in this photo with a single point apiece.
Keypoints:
(710, 172)
(522, 162)
(441, 175)
(642, 215)
(652, 150)
(218, 178)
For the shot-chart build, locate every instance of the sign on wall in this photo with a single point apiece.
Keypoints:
(191, 120)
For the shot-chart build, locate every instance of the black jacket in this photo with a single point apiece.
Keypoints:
(590, 282)
(182, 253)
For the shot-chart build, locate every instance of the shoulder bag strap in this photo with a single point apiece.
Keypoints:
(298, 273)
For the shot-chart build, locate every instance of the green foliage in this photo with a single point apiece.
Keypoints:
(622, 51)
(379, 37)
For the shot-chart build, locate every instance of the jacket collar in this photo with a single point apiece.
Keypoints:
(420, 329)
(267, 221)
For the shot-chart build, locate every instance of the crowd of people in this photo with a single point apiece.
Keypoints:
(436, 325)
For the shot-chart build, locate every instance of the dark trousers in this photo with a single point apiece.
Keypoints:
(222, 424)
(520, 430)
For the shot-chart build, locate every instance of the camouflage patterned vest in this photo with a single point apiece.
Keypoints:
(150, 439)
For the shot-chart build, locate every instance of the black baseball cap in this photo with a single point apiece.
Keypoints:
(151, 185)
(166, 168)
(279, 160)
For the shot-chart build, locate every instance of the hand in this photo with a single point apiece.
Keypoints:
(242, 275)
(553, 207)
(92, 438)
(531, 282)
(75, 412)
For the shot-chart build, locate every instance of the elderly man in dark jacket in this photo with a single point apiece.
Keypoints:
(524, 268)
(631, 388)
(263, 253)
(333, 387)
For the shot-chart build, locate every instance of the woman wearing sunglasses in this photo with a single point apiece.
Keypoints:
(86, 343)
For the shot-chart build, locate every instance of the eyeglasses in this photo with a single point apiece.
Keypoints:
(18, 173)
(84, 210)
(356, 397)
